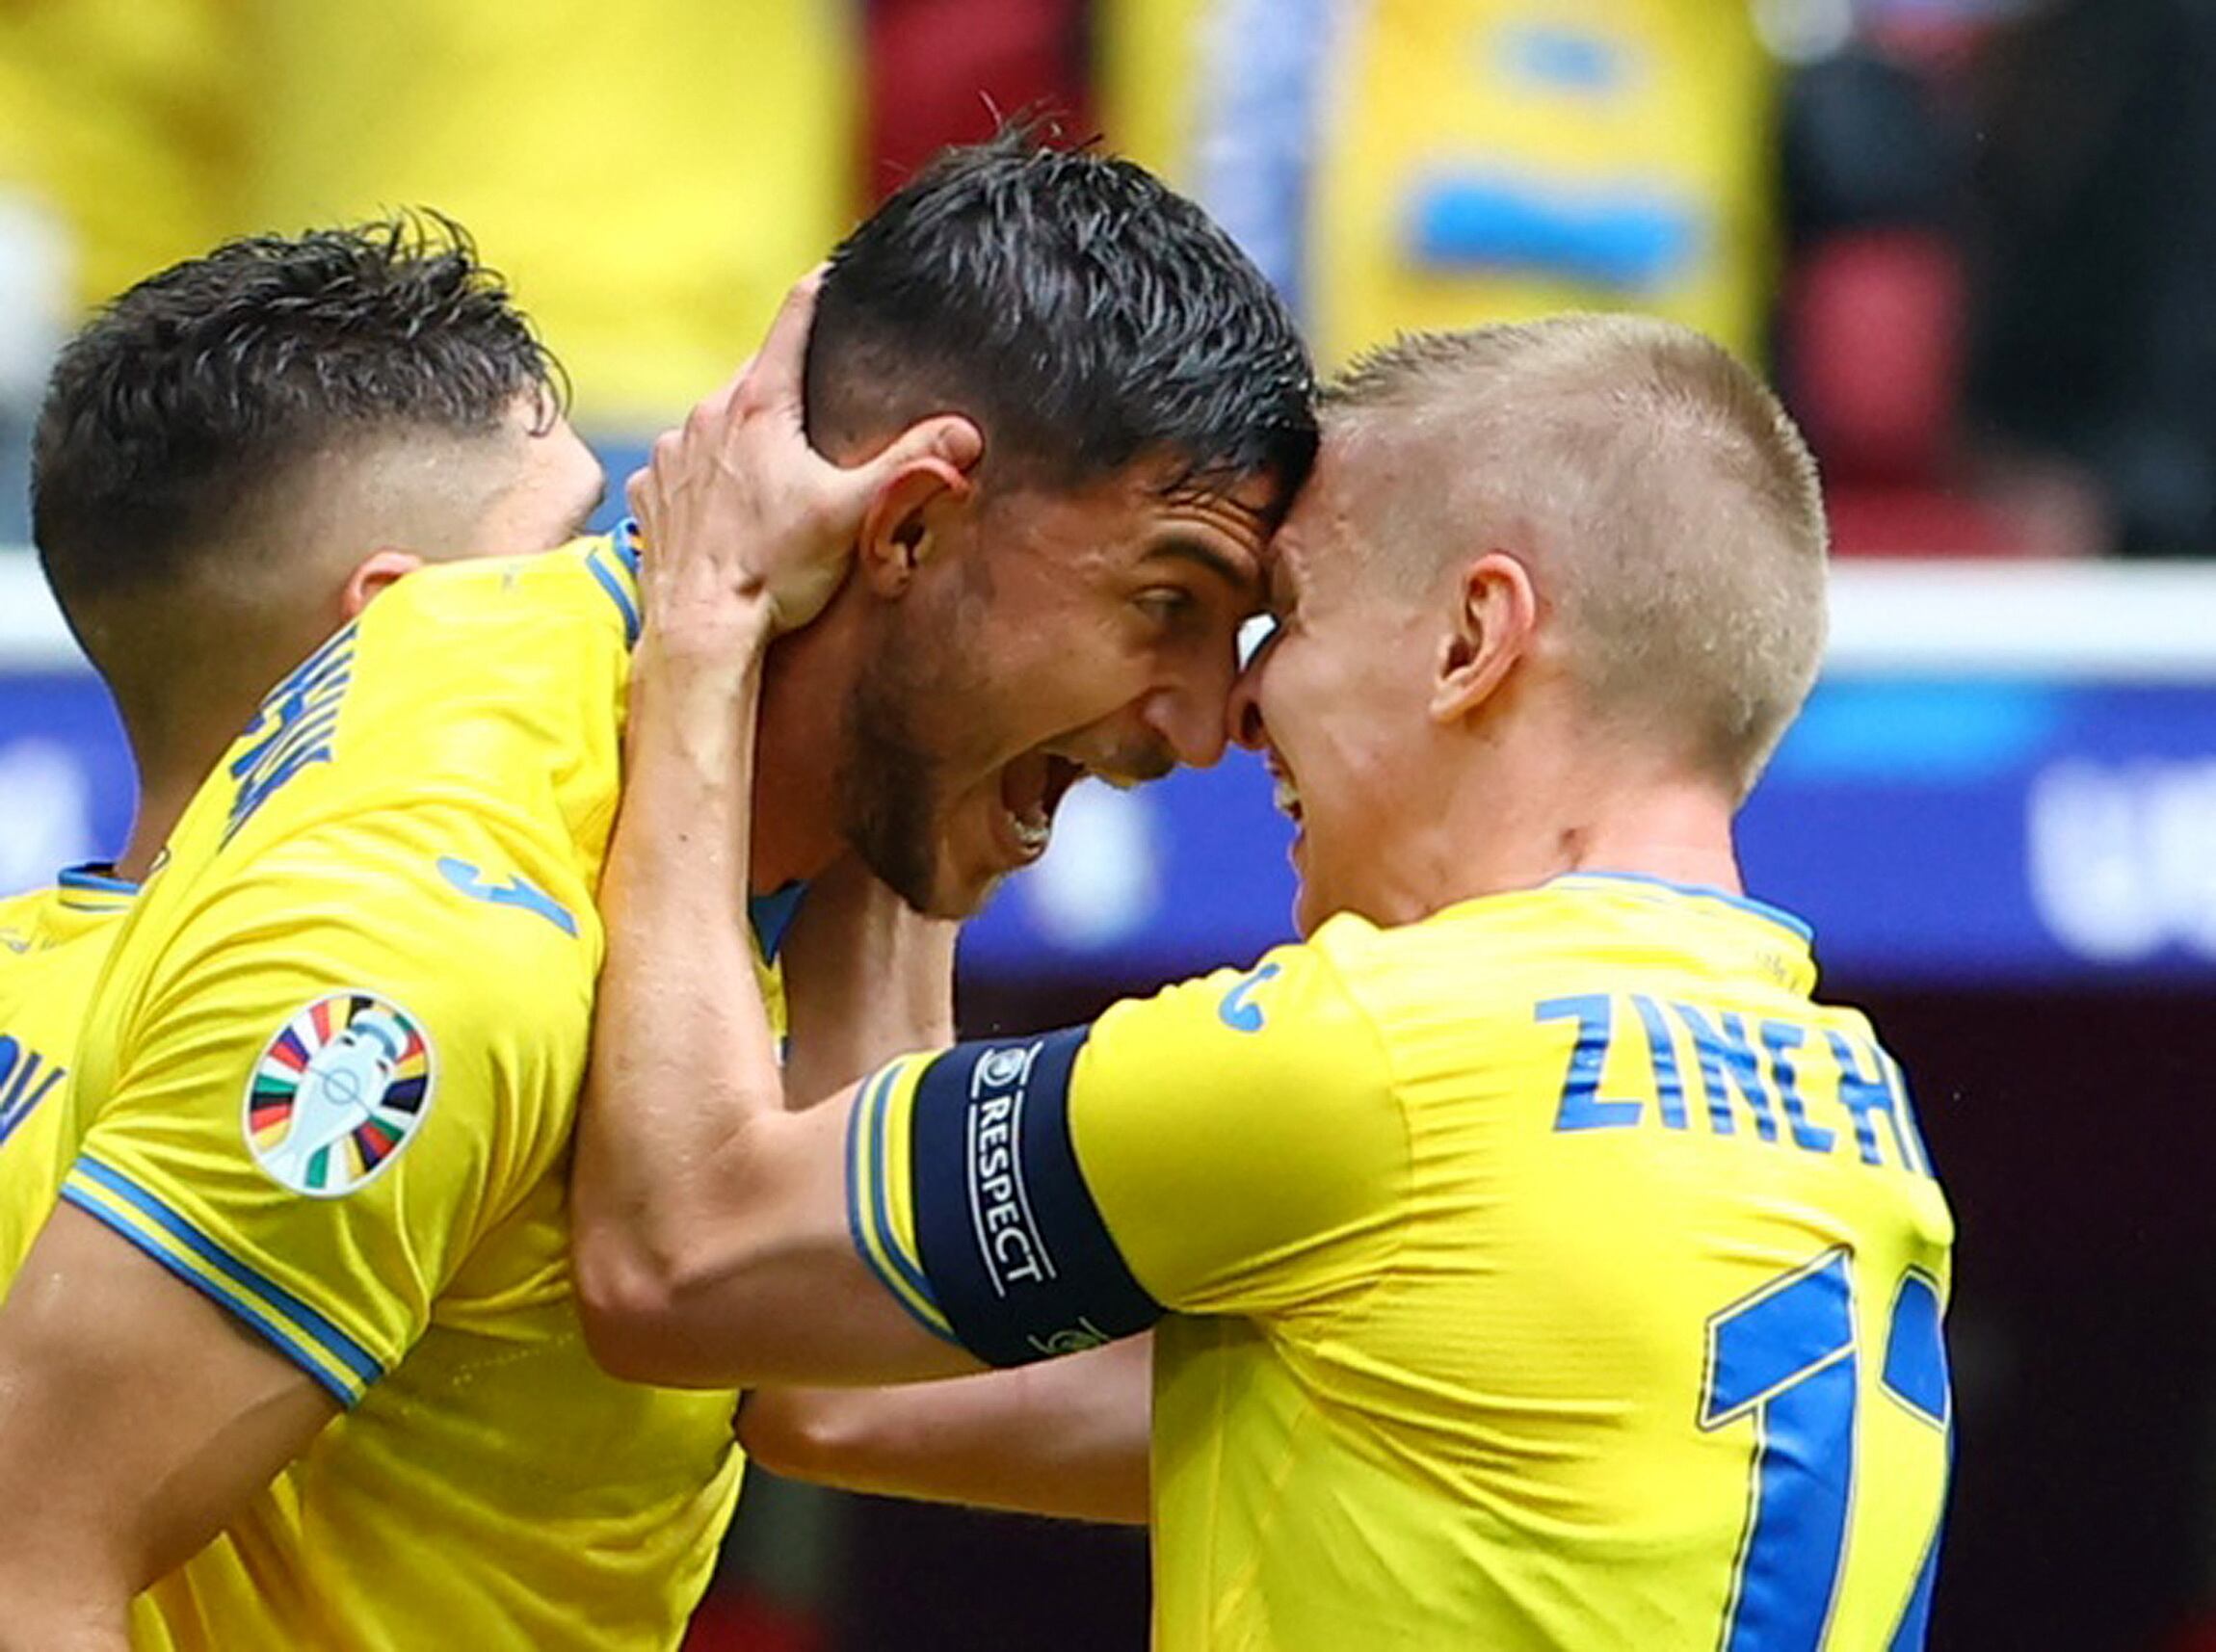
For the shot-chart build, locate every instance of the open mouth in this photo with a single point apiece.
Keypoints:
(1031, 790)
(1282, 791)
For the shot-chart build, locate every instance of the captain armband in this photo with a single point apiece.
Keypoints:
(1019, 1257)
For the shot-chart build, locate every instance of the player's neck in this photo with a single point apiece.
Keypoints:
(172, 763)
(181, 712)
(805, 685)
(1559, 808)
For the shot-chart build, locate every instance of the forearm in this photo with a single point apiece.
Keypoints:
(63, 1614)
(1066, 1438)
(65, 1610)
(128, 1438)
(682, 1055)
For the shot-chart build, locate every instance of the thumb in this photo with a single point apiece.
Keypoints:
(948, 444)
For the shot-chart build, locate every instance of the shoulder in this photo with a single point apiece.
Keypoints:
(83, 904)
(23, 923)
(591, 580)
(1282, 1049)
(1292, 993)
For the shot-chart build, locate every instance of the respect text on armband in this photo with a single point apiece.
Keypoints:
(1007, 1233)
(293, 729)
(1638, 1062)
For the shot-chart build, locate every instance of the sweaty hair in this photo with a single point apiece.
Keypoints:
(178, 407)
(1080, 311)
(1667, 505)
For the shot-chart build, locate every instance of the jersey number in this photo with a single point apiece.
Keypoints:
(1784, 1359)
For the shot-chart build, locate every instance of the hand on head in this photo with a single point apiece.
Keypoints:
(743, 519)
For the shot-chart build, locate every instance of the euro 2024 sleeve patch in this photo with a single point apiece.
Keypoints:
(338, 1094)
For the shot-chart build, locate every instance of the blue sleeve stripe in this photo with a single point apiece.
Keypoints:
(338, 1346)
(869, 1220)
(617, 593)
(239, 1307)
(879, 1127)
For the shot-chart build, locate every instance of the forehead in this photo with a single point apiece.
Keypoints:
(1151, 507)
(1324, 530)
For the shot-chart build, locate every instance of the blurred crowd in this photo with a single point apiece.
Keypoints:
(1971, 238)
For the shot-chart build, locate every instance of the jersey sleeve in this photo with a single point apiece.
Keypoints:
(349, 1059)
(1234, 1145)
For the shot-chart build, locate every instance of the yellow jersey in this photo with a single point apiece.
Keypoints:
(52, 944)
(1552, 1273)
(337, 1053)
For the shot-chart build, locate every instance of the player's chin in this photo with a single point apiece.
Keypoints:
(1313, 900)
(962, 880)
(979, 844)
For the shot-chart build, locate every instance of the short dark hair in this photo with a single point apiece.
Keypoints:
(1084, 313)
(177, 405)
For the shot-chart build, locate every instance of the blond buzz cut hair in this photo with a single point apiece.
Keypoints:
(1664, 502)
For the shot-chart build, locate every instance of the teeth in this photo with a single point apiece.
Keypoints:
(1286, 794)
(1032, 833)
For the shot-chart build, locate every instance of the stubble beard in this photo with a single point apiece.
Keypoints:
(889, 778)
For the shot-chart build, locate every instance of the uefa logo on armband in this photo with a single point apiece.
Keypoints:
(1004, 1068)
(338, 1094)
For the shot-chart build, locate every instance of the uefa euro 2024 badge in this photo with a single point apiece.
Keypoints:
(338, 1094)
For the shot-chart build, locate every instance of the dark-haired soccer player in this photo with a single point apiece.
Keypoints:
(337, 1393)
(1534, 1263)
(233, 458)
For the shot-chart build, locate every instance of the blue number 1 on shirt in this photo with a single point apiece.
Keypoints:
(1785, 1356)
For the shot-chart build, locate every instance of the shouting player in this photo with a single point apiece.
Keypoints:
(1534, 1263)
(336, 1393)
(233, 458)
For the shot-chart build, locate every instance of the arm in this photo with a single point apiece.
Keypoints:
(1067, 1439)
(705, 1211)
(138, 1419)
(866, 980)
(703, 1208)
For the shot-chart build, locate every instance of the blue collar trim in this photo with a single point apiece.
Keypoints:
(1746, 903)
(95, 878)
(772, 914)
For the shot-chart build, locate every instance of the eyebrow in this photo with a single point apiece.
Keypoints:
(1240, 576)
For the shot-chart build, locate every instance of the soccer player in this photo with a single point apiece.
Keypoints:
(335, 1392)
(1533, 1261)
(234, 456)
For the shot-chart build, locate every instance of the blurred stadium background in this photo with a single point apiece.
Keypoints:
(1974, 241)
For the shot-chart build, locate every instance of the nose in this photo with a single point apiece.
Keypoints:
(1189, 719)
(1185, 709)
(1243, 709)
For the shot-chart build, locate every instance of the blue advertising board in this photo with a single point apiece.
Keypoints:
(2007, 829)
(1940, 830)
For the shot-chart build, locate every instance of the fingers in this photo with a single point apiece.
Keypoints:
(779, 367)
(637, 491)
(947, 443)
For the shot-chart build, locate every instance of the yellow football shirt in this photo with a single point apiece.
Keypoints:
(53, 942)
(337, 1054)
(1552, 1273)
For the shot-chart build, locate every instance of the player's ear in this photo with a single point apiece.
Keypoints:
(1495, 615)
(371, 576)
(908, 520)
